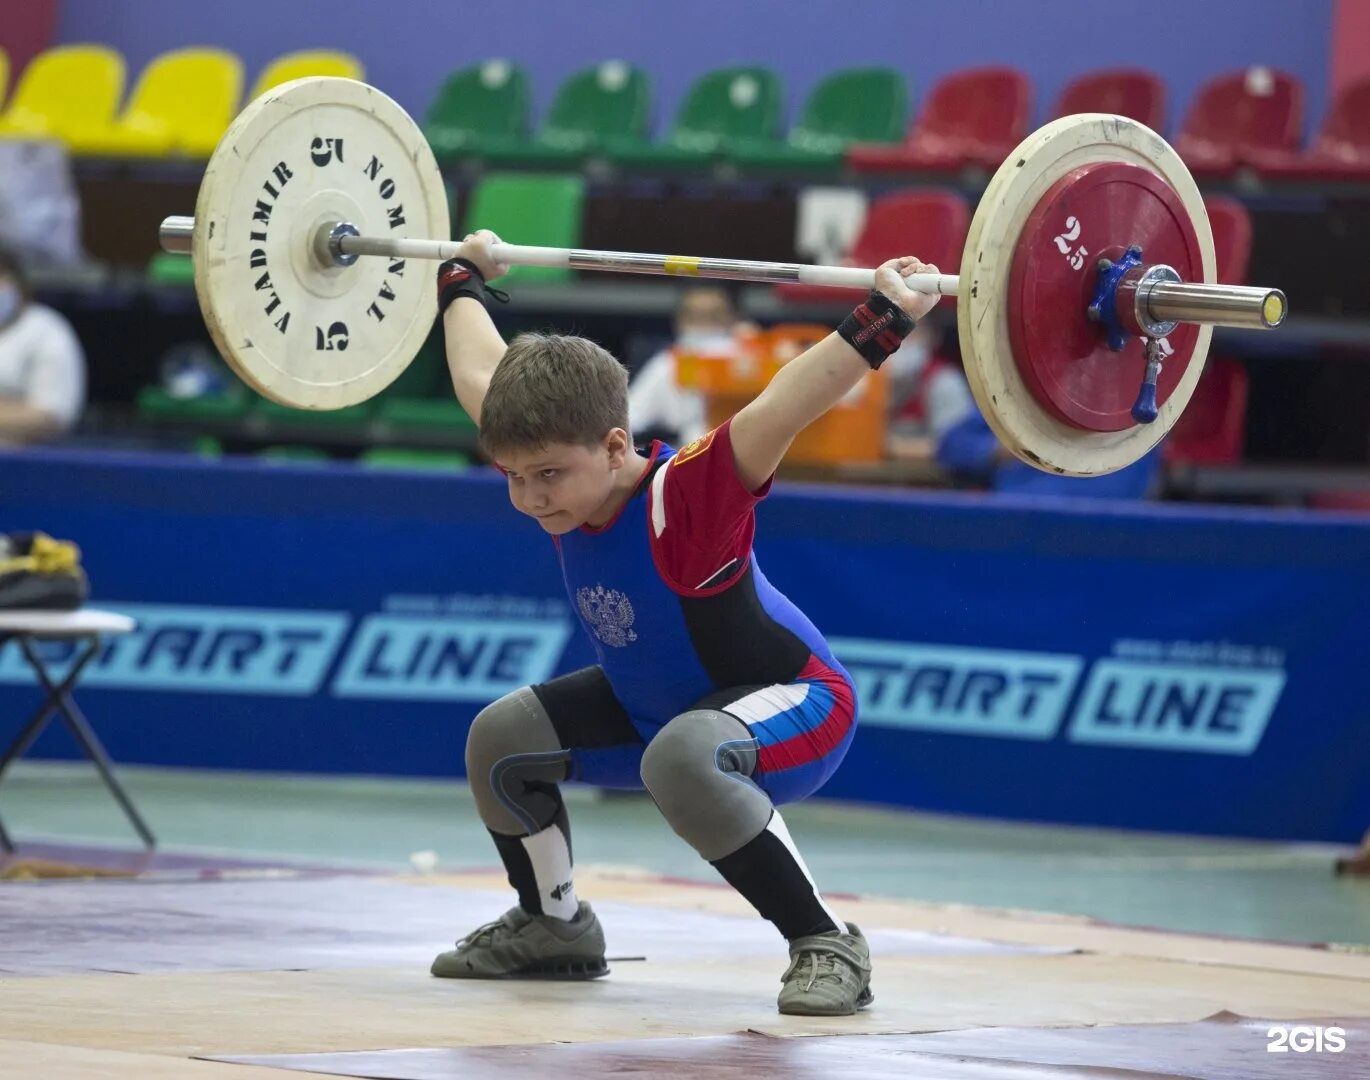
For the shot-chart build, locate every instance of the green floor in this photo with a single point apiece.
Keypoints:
(1277, 891)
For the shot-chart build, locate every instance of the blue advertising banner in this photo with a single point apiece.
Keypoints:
(1174, 668)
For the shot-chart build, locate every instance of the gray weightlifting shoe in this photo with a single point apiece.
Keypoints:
(829, 975)
(522, 946)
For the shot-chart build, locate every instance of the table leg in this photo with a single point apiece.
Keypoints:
(59, 696)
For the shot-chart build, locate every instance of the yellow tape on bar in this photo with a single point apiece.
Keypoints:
(1273, 309)
(682, 264)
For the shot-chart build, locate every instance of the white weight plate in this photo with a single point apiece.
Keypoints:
(1017, 418)
(298, 330)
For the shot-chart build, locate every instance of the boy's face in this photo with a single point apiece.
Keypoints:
(566, 485)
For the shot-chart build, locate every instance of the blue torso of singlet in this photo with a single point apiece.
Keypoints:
(637, 623)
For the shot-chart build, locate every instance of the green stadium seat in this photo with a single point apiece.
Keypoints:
(541, 210)
(607, 102)
(352, 416)
(155, 404)
(426, 415)
(170, 268)
(475, 105)
(384, 457)
(865, 105)
(425, 377)
(722, 109)
(290, 453)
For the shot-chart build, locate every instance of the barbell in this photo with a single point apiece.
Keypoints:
(1086, 295)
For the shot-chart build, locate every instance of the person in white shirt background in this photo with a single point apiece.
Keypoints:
(42, 367)
(706, 323)
(928, 394)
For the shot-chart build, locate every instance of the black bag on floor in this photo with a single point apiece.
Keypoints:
(40, 573)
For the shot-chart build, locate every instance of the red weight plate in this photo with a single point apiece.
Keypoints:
(1094, 211)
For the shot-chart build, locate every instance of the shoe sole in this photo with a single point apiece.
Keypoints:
(861, 1002)
(568, 970)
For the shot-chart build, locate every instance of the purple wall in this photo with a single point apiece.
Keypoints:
(408, 45)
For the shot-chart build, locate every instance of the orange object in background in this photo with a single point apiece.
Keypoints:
(853, 430)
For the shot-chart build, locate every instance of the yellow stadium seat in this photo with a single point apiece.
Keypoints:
(4, 74)
(183, 102)
(298, 65)
(64, 93)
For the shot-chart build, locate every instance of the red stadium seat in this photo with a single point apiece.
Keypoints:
(1231, 237)
(1341, 150)
(1128, 92)
(929, 224)
(1238, 118)
(1212, 429)
(974, 117)
(1353, 501)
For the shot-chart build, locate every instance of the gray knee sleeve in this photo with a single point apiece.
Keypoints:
(698, 770)
(514, 762)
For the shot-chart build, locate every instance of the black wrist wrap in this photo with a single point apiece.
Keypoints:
(459, 277)
(876, 328)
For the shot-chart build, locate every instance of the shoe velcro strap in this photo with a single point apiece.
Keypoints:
(839, 946)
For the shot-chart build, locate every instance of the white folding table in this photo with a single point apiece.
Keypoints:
(85, 628)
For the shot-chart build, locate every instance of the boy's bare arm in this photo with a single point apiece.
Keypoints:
(474, 347)
(813, 382)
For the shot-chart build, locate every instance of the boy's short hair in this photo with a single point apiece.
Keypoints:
(550, 388)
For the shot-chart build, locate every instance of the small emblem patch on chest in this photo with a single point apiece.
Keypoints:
(609, 614)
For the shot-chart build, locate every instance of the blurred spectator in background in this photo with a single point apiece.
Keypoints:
(933, 417)
(706, 323)
(973, 454)
(42, 368)
(928, 395)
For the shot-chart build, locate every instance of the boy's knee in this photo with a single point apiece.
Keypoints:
(513, 763)
(686, 751)
(514, 724)
(697, 771)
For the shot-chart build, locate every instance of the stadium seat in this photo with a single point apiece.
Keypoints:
(154, 403)
(542, 210)
(1212, 429)
(1231, 237)
(854, 105)
(182, 104)
(1356, 502)
(386, 457)
(421, 402)
(292, 454)
(64, 94)
(298, 65)
(973, 117)
(475, 104)
(426, 376)
(1238, 118)
(723, 108)
(273, 413)
(170, 268)
(1130, 92)
(1341, 149)
(4, 75)
(610, 101)
(435, 415)
(939, 220)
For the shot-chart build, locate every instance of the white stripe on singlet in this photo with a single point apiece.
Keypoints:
(659, 499)
(761, 705)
